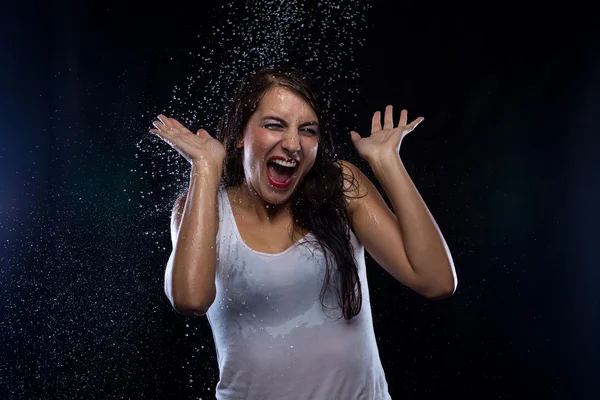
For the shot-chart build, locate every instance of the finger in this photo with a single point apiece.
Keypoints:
(403, 117)
(376, 122)
(161, 134)
(158, 125)
(388, 120)
(165, 120)
(415, 123)
(354, 136)
(160, 118)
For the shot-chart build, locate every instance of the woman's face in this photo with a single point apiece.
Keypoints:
(283, 126)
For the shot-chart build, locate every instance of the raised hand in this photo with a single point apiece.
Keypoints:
(385, 140)
(193, 147)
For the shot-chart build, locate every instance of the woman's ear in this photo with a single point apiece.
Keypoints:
(239, 143)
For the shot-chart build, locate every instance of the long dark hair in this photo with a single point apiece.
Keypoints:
(319, 203)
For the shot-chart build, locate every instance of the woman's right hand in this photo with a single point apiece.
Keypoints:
(193, 147)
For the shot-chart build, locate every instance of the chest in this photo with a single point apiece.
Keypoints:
(272, 239)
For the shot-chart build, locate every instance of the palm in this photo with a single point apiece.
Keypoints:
(386, 139)
(193, 147)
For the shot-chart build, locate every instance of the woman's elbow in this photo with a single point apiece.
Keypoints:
(189, 311)
(441, 291)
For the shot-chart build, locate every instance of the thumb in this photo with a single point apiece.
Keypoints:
(354, 136)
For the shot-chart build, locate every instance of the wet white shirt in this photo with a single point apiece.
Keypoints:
(272, 337)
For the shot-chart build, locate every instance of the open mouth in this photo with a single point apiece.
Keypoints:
(281, 173)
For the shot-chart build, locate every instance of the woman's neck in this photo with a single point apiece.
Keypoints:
(251, 202)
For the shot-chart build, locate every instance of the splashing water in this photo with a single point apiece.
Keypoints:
(321, 38)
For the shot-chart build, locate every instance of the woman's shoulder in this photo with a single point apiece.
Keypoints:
(355, 183)
(354, 178)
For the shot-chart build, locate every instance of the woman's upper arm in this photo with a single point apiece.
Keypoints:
(376, 227)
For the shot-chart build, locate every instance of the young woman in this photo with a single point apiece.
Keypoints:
(269, 240)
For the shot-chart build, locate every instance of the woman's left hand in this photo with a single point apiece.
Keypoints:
(383, 141)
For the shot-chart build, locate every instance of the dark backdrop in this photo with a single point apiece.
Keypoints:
(507, 161)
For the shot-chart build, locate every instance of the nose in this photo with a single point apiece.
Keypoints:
(291, 142)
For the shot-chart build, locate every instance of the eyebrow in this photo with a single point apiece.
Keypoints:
(283, 122)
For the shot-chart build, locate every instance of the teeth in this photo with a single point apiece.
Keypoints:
(285, 163)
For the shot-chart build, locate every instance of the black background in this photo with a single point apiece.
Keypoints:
(506, 160)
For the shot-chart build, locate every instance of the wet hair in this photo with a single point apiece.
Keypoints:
(319, 203)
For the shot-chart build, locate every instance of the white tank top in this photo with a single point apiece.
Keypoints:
(272, 337)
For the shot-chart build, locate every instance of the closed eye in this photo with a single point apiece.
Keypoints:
(279, 126)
